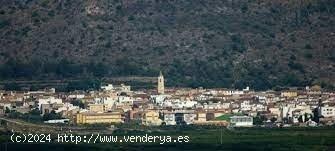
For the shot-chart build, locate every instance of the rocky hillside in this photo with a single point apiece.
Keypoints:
(212, 43)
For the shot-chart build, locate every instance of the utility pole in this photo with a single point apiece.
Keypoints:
(221, 133)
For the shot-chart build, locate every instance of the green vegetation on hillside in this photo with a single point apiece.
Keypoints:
(217, 43)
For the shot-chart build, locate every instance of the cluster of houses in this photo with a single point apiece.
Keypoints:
(178, 106)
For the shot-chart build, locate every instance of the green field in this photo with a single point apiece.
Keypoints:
(208, 138)
(226, 117)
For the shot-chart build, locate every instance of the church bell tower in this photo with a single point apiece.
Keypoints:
(160, 86)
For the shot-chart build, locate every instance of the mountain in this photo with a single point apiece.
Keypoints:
(212, 43)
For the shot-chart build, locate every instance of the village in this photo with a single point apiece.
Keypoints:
(117, 104)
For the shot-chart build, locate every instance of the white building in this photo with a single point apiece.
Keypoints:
(125, 100)
(67, 107)
(76, 96)
(189, 118)
(241, 121)
(49, 100)
(158, 99)
(259, 107)
(123, 88)
(169, 119)
(232, 92)
(107, 87)
(178, 104)
(276, 111)
(225, 105)
(109, 102)
(120, 88)
(327, 111)
(58, 121)
(245, 106)
(211, 106)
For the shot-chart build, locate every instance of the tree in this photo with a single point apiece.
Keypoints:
(7, 110)
(12, 86)
(35, 111)
(78, 103)
(316, 115)
(273, 119)
(3, 122)
(123, 94)
(51, 116)
(258, 120)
